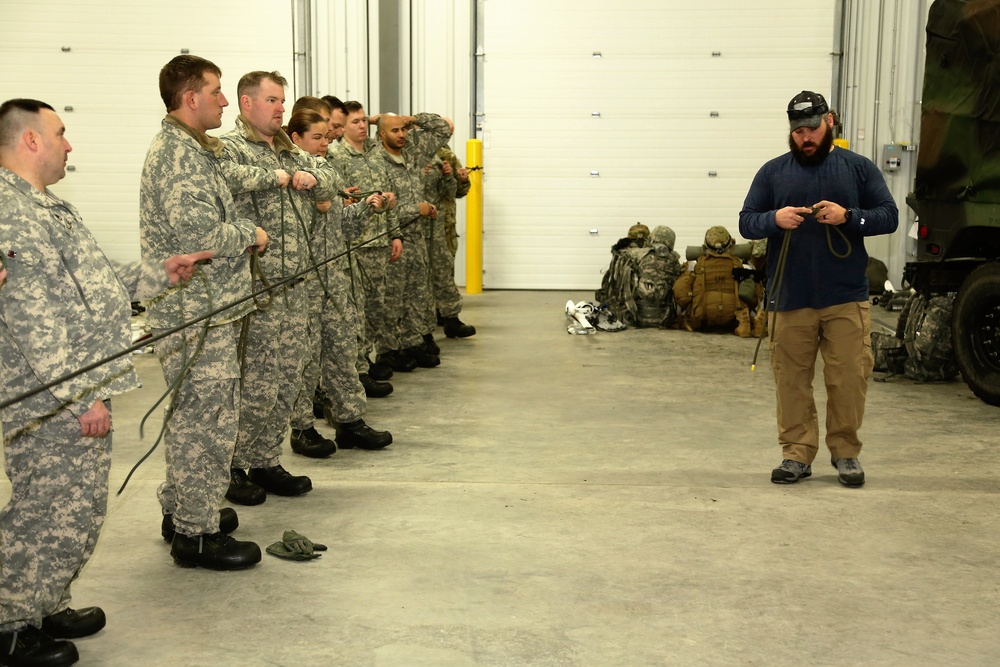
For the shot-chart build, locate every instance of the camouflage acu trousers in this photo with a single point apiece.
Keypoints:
(50, 526)
(366, 348)
(373, 265)
(202, 422)
(339, 324)
(302, 412)
(272, 371)
(441, 267)
(408, 291)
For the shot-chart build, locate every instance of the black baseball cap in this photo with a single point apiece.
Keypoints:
(807, 109)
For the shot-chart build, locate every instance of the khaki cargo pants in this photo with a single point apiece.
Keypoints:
(842, 334)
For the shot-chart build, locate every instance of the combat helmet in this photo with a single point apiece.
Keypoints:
(718, 240)
(663, 235)
(638, 231)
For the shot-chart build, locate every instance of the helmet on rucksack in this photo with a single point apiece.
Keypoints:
(718, 240)
(663, 235)
(638, 231)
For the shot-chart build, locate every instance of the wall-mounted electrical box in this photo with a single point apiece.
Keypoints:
(892, 157)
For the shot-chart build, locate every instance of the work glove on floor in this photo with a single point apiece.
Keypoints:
(295, 547)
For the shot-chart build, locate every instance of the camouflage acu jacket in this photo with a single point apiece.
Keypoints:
(62, 307)
(448, 208)
(366, 170)
(405, 172)
(185, 206)
(438, 186)
(285, 214)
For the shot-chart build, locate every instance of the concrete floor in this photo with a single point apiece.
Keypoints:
(581, 500)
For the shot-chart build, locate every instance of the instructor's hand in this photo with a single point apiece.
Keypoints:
(830, 213)
(791, 217)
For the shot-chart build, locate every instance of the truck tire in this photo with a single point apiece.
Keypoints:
(976, 332)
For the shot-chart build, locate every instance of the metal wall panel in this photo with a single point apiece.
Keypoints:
(102, 58)
(599, 115)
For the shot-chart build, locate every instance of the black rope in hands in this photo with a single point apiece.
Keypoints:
(774, 286)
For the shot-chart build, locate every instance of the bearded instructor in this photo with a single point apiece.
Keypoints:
(826, 200)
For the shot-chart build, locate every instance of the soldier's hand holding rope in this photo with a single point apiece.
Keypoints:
(180, 268)
(261, 241)
(303, 180)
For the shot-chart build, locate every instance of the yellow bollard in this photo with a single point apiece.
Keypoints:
(474, 219)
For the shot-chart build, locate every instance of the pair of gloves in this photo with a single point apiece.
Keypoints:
(295, 547)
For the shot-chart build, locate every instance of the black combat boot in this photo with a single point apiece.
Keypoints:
(430, 345)
(73, 623)
(280, 482)
(309, 442)
(423, 358)
(228, 522)
(374, 388)
(29, 646)
(242, 491)
(398, 361)
(456, 328)
(380, 371)
(217, 551)
(361, 435)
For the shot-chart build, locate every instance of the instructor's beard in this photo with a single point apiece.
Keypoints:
(821, 153)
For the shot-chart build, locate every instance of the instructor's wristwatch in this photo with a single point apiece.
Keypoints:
(848, 215)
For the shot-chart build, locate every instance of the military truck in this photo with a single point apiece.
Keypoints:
(956, 193)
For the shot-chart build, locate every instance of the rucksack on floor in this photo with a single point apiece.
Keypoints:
(927, 337)
(638, 285)
(711, 291)
(889, 353)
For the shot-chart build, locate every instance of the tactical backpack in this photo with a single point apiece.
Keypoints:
(711, 291)
(638, 285)
(889, 353)
(927, 337)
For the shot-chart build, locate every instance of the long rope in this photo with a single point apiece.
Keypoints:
(171, 390)
(169, 332)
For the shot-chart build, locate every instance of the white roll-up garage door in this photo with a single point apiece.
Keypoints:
(97, 63)
(602, 114)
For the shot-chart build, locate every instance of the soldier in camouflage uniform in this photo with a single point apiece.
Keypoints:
(185, 204)
(357, 159)
(333, 326)
(409, 143)
(63, 308)
(276, 335)
(445, 180)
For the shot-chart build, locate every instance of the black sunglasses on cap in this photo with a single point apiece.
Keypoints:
(808, 112)
(807, 104)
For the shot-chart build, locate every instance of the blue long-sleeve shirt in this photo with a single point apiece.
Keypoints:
(814, 277)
